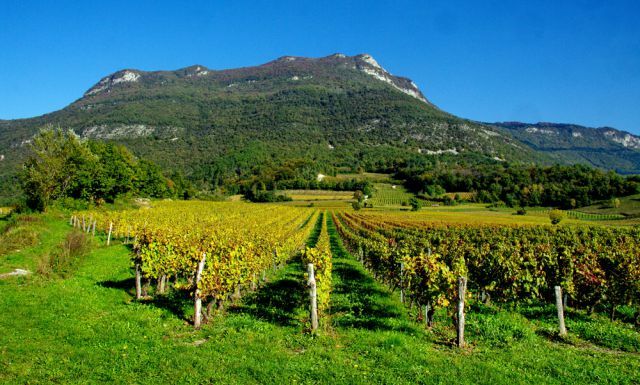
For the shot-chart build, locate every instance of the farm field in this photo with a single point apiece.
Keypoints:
(629, 206)
(318, 195)
(370, 176)
(386, 194)
(86, 326)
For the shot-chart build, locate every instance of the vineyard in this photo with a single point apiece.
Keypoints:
(215, 251)
(284, 294)
(390, 195)
(212, 250)
(596, 267)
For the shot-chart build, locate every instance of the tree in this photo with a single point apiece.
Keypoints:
(415, 203)
(61, 165)
(51, 170)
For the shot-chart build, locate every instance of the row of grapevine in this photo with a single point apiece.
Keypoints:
(594, 217)
(594, 265)
(321, 259)
(211, 249)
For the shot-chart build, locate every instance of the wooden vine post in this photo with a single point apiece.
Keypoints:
(313, 297)
(462, 291)
(138, 276)
(94, 228)
(401, 282)
(109, 236)
(560, 308)
(197, 308)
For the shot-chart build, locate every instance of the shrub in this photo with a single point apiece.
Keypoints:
(415, 204)
(556, 216)
(67, 257)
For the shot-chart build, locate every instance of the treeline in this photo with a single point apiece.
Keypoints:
(556, 186)
(61, 165)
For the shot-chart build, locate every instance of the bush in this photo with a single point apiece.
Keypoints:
(556, 216)
(267, 196)
(415, 204)
(68, 256)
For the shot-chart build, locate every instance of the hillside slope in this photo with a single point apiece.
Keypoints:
(336, 110)
(603, 147)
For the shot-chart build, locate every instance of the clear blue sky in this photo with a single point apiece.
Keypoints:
(560, 61)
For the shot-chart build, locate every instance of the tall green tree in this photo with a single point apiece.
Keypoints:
(57, 158)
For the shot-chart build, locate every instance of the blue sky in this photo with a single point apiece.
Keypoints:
(559, 61)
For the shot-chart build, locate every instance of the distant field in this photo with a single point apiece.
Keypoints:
(462, 195)
(629, 206)
(318, 195)
(372, 176)
(479, 213)
(386, 194)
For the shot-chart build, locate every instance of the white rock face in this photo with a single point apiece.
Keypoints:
(106, 83)
(627, 140)
(121, 131)
(369, 59)
(295, 78)
(381, 74)
(576, 134)
(490, 133)
(533, 130)
(498, 159)
(127, 76)
(1, 157)
(439, 152)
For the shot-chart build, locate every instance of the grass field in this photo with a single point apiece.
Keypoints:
(88, 328)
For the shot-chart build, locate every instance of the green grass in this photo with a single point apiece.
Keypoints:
(88, 329)
(24, 238)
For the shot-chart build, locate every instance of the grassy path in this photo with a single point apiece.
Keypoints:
(358, 301)
(33, 236)
(87, 329)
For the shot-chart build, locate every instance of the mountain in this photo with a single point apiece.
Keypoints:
(603, 147)
(334, 111)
